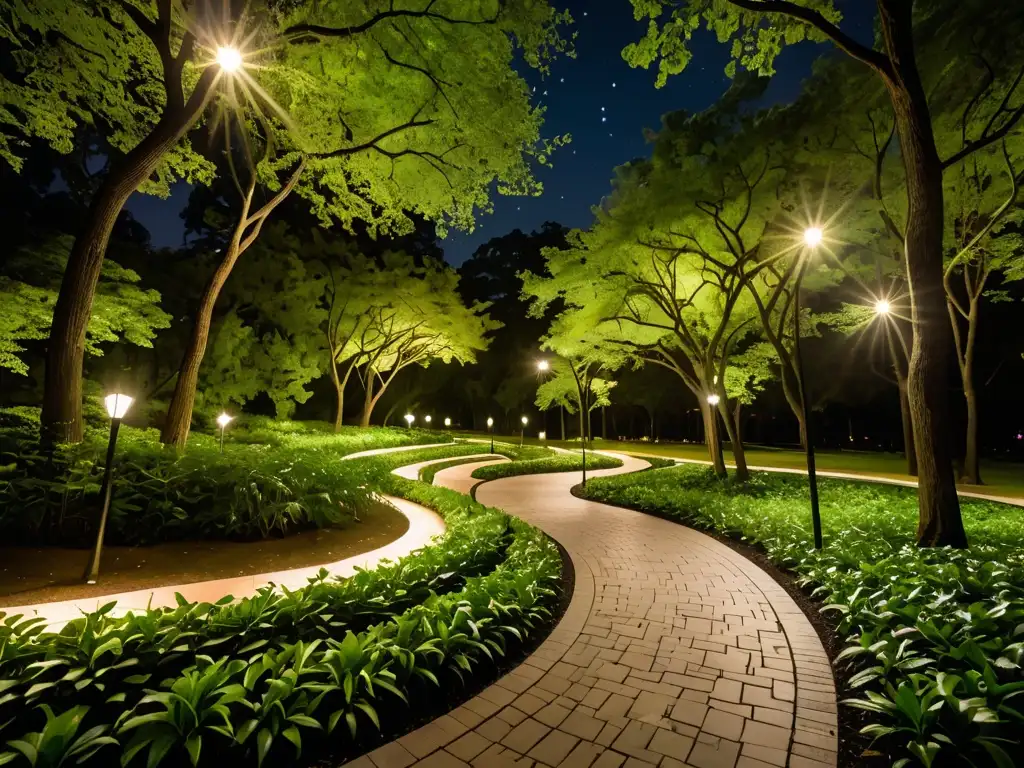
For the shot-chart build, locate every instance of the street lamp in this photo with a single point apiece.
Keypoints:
(229, 58)
(713, 401)
(223, 420)
(882, 307)
(117, 406)
(427, 419)
(447, 422)
(812, 238)
(543, 365)
(542, 435)
(409, 419)
(522, 430)
(490, 428)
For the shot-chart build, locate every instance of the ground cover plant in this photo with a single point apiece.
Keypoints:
(283, 676)
(273, 478)
(934, 637)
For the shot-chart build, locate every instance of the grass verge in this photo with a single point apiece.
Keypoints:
(559, 462)
(934, 637)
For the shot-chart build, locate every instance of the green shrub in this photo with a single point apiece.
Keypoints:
(935, 637)
(282, 675)
(294, 481)
(560, 462)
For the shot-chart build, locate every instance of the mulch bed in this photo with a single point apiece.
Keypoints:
(30, 575)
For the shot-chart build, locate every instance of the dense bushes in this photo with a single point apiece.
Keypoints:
(291, 480)
(935, 637)
(281, 675)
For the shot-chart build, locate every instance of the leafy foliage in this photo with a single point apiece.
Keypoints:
(935, 637)
(560, 462)
(283, 676)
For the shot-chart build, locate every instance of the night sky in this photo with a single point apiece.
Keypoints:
(603, 103)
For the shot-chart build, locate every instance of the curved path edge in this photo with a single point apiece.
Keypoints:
(675, 651)
(424, 525)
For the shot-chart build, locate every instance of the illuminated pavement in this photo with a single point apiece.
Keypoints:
(675, 651)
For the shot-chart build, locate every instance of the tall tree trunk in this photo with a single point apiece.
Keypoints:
(179, 410)
(368, 399)
(62, 389)
(339, 389)
(972, 459)
(909, 448)
(561, 418)
(802, 427)
(710, 420)
(652, 427)
(604, 423)
(735, 441)
(939, 520)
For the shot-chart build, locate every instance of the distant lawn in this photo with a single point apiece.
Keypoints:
(1001, 478)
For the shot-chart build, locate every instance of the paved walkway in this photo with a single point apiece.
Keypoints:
(675, 651)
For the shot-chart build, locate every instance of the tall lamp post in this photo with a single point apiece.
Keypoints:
(117, 406)
(222, 421)
(812, 238)
(522, 430)
(490, 428)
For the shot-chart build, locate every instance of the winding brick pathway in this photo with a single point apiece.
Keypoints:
(675, 651)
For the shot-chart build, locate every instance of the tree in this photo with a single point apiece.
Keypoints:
(28, 291)
(893, 60)
(561, 389)
(421, 132)
(131, 70)
(125, 65)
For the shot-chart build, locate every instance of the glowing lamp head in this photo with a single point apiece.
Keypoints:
(543, 365)
(229, 58)
(427, 419)
(882, 307)
(447, 422)
(713, 400)
(117, 405)
(542, 435)
(490, 422)
(409, 418)
(812, 236)
(524, 420)
(223, 420)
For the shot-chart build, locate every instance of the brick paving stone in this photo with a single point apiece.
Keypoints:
(675, 652)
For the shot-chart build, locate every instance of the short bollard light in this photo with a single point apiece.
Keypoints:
(222, 421)
(522, 431)
(542, 435)
(447, 422)
(490, 428)
(427, 419)
(117, 406)
(409, 419)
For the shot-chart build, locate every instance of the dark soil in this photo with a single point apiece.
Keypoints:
(854, 749)
(31, 575)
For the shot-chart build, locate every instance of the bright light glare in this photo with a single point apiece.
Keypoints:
(524, 420)
(713, 399)
(409, 418)
(490, 422)
(223, 420)
(447, 422)
(542, 435)
(812, 236)
(229, 58)
(117, 405)
(427, 419)
(882, 307)
(543, 365)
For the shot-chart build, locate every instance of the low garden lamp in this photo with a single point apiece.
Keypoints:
(222, 421)
(490, 428)
(117, 406)
(542, 435)
(409, 419)
(427, 419)
(447, 422)
(522, 430)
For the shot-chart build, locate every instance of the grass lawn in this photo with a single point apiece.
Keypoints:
(1001, 478)
(935, 637)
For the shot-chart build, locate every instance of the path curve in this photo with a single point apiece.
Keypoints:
(424, 525)
(675, 651)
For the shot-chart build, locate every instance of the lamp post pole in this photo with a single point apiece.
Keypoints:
(522, 431)
(812, 477)
(117, 406)
(490, 428)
